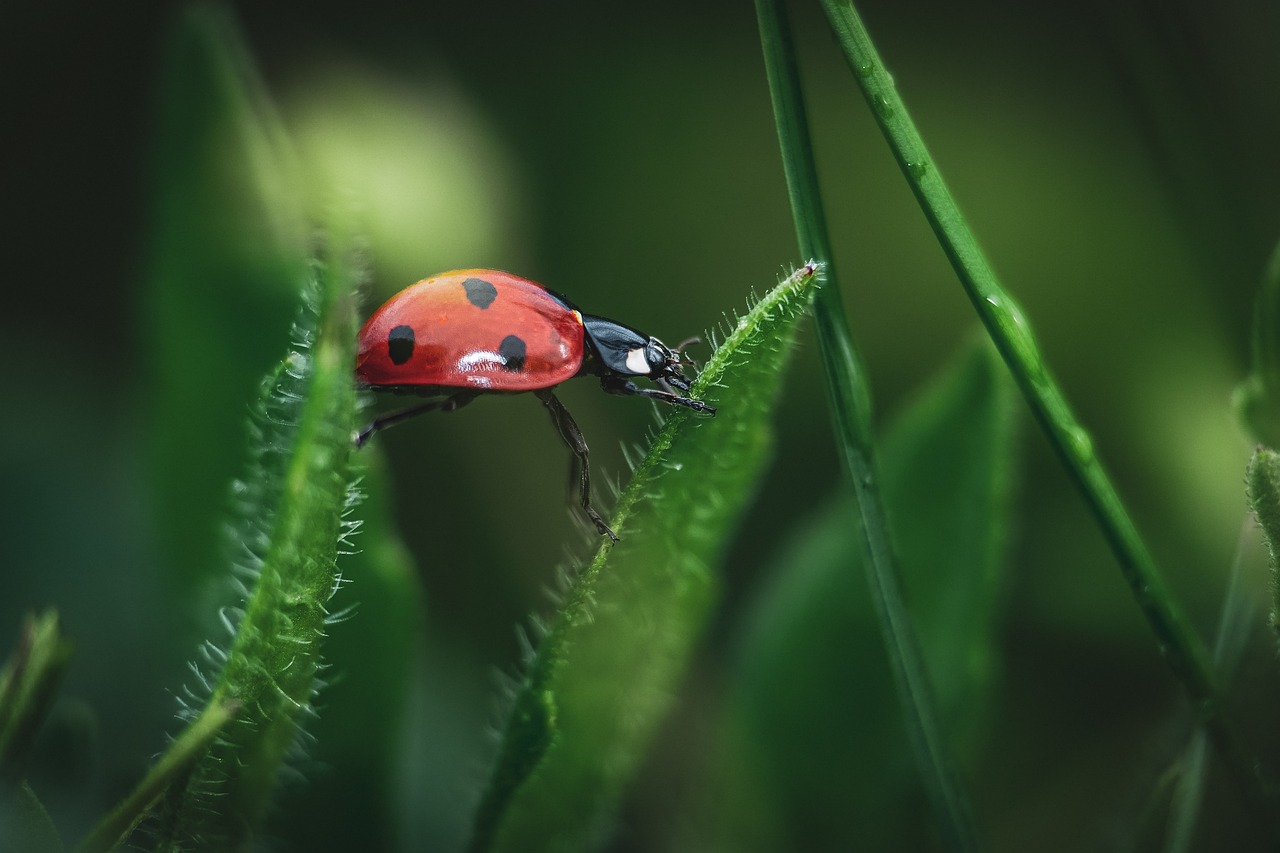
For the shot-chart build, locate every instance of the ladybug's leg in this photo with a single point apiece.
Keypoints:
(625, 387)
(568, 429)
(448, 404)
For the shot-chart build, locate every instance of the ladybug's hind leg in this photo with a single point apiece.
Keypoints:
(568, 429)
(447, 404)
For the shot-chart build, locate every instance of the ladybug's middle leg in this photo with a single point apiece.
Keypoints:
(568, 429)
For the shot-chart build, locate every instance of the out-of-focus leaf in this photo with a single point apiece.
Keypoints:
(814, 749)
(1257, 399)
(225, 260)
(28, 686)
(948, 466)
(1236, 623)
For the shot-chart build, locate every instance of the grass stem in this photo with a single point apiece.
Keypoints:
(849, 398)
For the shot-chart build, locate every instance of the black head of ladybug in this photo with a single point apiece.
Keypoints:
(625, 351)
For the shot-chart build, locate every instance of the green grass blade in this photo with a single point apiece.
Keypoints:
(293, 505)
(604, 674)
(1235, 625)
(814, 750)
(849, 397)
(28, 686)
(1182, 648)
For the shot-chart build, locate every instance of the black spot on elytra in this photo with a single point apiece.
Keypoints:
(480, 293)
(512, 350)
(400, 343)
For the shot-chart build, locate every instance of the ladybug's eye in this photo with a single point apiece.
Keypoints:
(660, 358)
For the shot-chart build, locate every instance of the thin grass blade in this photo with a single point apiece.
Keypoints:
(849, 398)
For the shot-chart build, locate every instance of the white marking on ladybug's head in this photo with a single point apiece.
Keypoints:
(637, 362)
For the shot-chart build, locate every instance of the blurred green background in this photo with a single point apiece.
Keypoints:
(1117, 161)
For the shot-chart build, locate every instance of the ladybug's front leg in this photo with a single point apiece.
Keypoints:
(568, 429)
(625, 388)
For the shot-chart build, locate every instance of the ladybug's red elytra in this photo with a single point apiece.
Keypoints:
(464, 333)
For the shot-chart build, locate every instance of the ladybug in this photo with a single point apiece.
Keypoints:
(464, 333)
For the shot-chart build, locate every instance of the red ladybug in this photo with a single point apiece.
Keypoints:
(465, 333)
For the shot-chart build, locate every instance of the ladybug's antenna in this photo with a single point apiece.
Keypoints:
(679, 348)
(678, 351)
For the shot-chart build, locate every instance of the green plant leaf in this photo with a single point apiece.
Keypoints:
(948, 467)
(1257, 399)
(225, 259)
(293, 505)
(814, 753)
(28, 686)
(604, 674)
